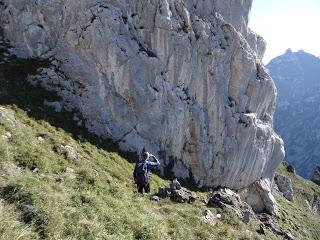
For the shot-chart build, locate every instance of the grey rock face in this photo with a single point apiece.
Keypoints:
(316, 175)
(284, 185)
(297, 116)
(182, 78)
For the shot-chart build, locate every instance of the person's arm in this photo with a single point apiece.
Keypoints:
(154, 163)
(156, 159)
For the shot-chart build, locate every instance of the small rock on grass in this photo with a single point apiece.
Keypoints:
(209, 218)
(26, 207)
(6, 136)
(40, 139)
(69, 170)
(155, 198)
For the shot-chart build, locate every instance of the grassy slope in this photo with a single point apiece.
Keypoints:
(98, 201)
(296, 216)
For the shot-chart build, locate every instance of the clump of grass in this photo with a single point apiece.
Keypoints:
(11, 227)
(17, 194)
(86, 177)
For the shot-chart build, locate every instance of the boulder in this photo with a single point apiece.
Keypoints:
(164, 192)
(258, 195)
(225, 198)
(177, 193)
(183, 195)
(291, 168)
(284, 185)
(175, 185)
(209, 218)
(220, 200)
(316, 175)
(8, 115)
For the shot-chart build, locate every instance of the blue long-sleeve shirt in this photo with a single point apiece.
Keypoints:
(151, 165)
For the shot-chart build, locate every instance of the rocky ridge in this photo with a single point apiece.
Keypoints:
(296, 75)
(196, 67)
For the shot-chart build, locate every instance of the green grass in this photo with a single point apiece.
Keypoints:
(296, 216)
(98, 201)
(11, 227)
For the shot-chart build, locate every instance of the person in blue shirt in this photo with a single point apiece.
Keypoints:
(142, 171)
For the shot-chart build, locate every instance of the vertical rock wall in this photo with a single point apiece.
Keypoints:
(182, 78)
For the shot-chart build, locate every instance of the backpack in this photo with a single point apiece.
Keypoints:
(141, 174)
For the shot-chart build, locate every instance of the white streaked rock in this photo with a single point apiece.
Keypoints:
(181, 78)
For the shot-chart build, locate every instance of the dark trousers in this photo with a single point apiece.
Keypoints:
(146, 188)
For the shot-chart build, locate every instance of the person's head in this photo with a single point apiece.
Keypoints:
(145, 155)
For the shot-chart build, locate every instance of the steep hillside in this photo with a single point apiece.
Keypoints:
(57, 181)
(301, 216)
(297, 77)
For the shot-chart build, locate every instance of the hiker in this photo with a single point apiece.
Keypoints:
(142, 172)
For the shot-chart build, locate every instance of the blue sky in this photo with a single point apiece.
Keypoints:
(287, 24)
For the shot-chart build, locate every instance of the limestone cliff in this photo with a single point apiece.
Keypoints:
(182, 78)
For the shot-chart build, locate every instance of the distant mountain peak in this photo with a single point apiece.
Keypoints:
(296, 76)
(289, 50)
